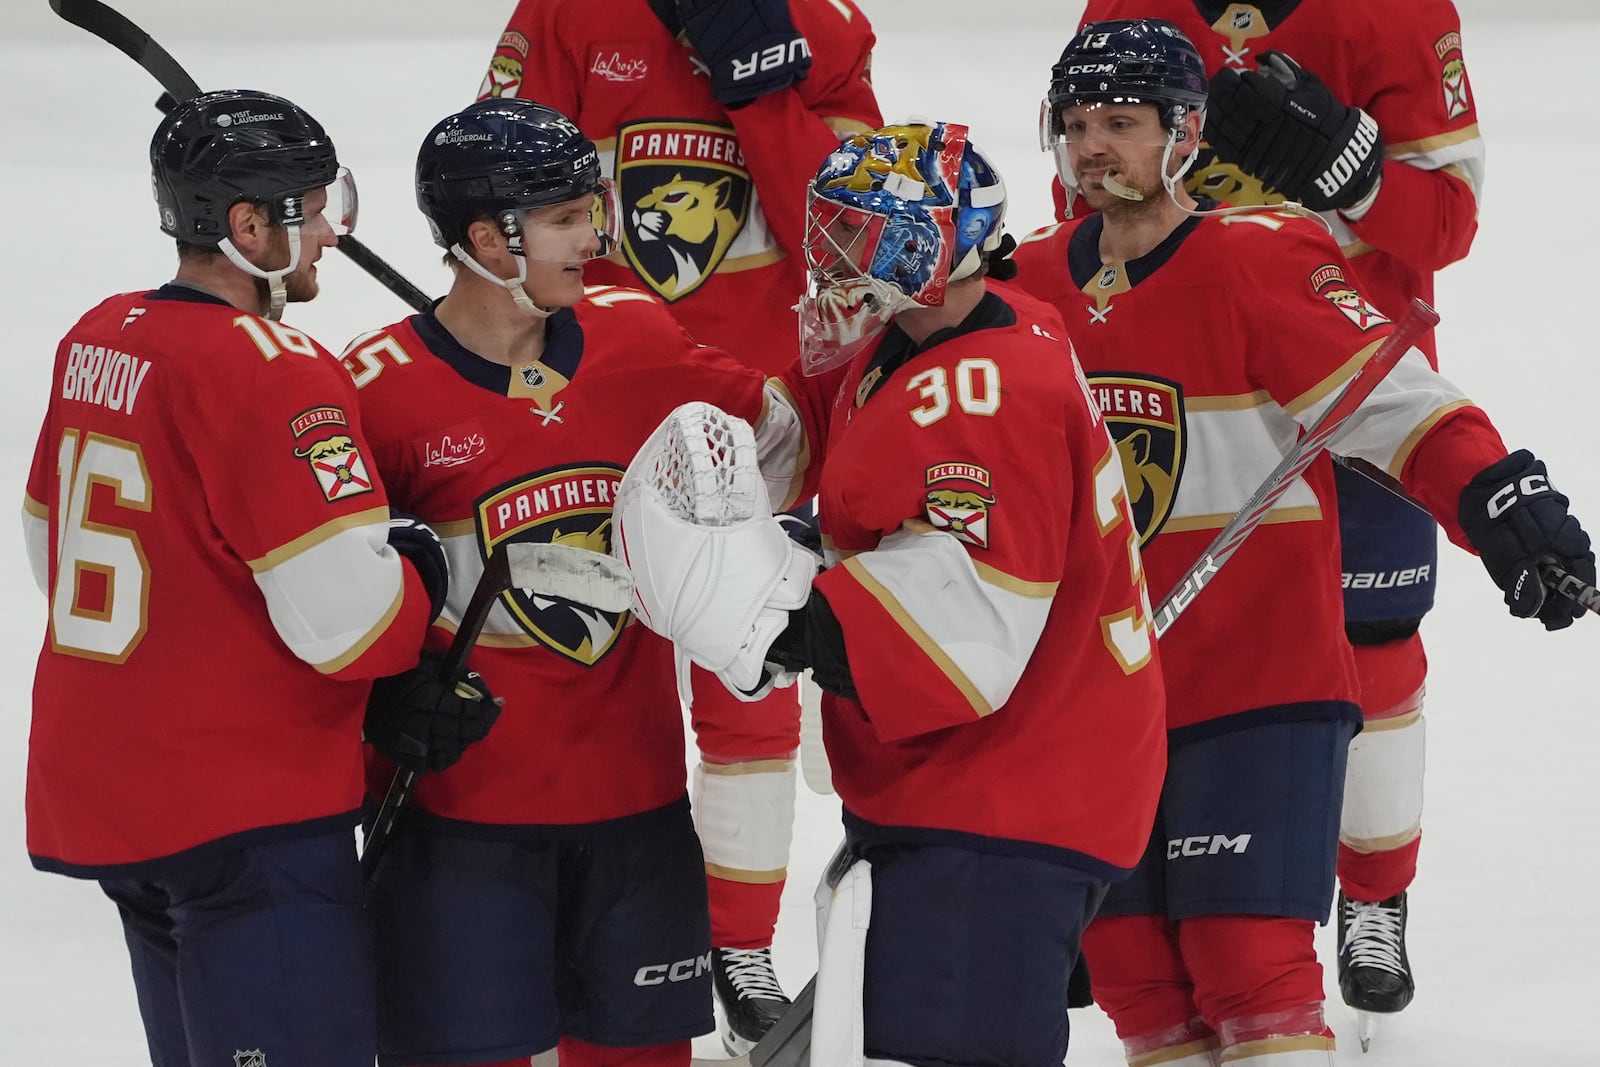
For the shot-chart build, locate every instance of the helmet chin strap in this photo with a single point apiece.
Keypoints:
(514, 286)
(276, 287)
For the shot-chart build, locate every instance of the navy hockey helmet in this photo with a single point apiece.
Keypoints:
(1128, 61)
(217, 149)
(501, 155)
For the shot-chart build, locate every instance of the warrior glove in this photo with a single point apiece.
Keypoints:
(1284, 127)
(750, 47)
(425, 722)
(1516, 520)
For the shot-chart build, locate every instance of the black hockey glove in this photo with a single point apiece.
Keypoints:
(424, 722)
(416, 541)
(1516, 520)
(750, 47)
(1287, 129)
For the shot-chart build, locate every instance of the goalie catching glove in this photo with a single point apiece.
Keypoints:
(713, 571)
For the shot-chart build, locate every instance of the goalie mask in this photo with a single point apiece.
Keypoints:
(892, 218)
(529, 170)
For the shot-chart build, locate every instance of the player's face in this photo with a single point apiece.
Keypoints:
(1125, 141)
(316, 234)
(557, 241)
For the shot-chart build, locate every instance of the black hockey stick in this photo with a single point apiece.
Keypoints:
(117, 30)
(563, 571)
(788, 1043)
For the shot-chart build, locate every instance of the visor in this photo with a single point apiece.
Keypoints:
(583, 228)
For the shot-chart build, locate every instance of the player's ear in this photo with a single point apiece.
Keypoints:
(484, 239)
(249, 227)
(1194, 121)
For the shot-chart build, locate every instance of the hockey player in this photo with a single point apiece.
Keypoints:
(1297, 86)
(551, 888)
(708, 115)
(220, 561)
(1210, 342)
(992, 704)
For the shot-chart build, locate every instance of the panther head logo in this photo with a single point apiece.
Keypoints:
(695, 222)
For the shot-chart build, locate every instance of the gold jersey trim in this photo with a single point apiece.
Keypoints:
(325, 532)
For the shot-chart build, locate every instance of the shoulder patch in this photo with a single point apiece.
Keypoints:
(1453, 75)
(958, 500)
(335, 460)
(1329, 282)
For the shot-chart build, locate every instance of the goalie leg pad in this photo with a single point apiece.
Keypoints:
(844, 914)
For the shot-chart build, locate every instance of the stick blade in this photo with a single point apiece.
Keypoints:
(571, 573)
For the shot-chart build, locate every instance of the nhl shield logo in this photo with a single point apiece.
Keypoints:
(685, 194)
(1144, 416)
(249, 1058)
(569, 506)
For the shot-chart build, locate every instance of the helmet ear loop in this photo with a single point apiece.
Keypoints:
(277, 288)
(511, 229)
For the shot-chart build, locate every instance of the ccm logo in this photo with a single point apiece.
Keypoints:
(1530, 485)
(682, 971)
(1207, 845)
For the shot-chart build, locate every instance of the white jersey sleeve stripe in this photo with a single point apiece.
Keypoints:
(332, 599)
(979, 635)
(782, 449)
(36, 537)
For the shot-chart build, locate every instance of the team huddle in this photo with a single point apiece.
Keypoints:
(715, 326)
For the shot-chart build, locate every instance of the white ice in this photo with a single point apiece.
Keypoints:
(1504, 929)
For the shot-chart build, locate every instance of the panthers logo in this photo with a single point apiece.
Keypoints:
(1227, 182)
(686, 196)
(565, 506)
(892, 150)
(1145, 418)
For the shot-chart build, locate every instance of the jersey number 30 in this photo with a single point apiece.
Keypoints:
(98, 608)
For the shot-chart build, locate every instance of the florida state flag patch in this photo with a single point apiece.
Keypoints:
(335, 459)
(958, 501)
(1329, 282)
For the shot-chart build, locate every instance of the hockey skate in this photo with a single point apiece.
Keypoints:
(1374, 971)
(752, 1000)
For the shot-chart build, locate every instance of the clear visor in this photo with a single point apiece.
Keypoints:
(844, 308)
(586, 227)
(1119, 123)
(340, 205)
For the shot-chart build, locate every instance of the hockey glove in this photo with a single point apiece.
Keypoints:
(1282, 125)
(750, 47)
(1516, 520)
(416, 541)
(424, 722)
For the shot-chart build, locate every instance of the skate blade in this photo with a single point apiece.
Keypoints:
(1366, 1029)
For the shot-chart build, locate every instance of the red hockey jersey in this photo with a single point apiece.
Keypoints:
(1207, 357)
(988, 584)
(1402, 64)
(203, 516)
(591, 727)
(713, 201)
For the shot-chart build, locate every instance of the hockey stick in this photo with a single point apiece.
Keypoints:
(1557, 579)
(117, 30)
(1418, 320)
(554, 570)
(788, 1043)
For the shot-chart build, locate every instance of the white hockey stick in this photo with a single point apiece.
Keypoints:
(788, 1043)
(563, 571)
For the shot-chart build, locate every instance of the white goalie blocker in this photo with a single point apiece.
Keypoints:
(713, 571)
